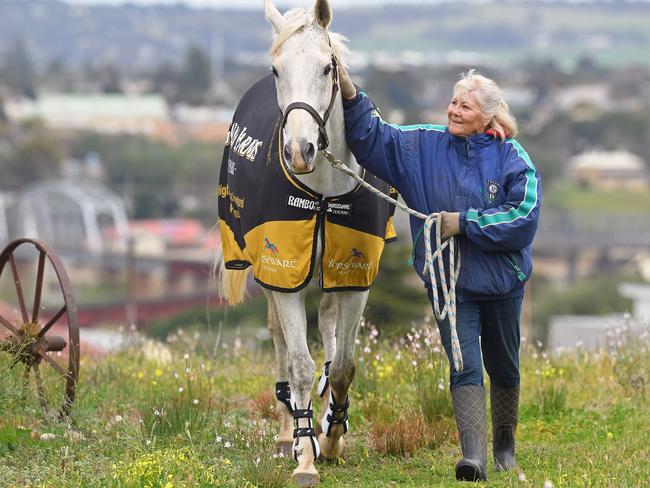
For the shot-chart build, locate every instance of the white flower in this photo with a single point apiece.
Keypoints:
(219, 439)
(156, 412)
(187, 370)
(195, 401)
(227, 444)
(521, 476)
(548, 484)
(47, 437)
(257, 461)
(180, 389)
(186, 356)
(175, 375)
(148, 442)
(117, 419)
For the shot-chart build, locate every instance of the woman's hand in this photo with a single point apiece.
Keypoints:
(348, 91)
(449, 224)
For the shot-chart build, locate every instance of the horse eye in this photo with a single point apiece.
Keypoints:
(328, 70)
(274, 71)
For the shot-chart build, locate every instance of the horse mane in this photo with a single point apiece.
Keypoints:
(298, 19)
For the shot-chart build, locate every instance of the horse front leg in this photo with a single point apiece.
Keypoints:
(291, 313)
(327, 313)
(284, 439)
(334, 423)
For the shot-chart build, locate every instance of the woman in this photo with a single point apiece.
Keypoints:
(489, 194)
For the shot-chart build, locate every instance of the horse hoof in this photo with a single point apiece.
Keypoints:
(331, 448)
(284, 447)
(305, 479)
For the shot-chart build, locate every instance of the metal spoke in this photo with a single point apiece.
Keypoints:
(51, 322)
(53, 363)
(8, 325)
(39, 287)
(40, 387)
(19, 288)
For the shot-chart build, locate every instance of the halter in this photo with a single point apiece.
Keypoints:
(323, 138)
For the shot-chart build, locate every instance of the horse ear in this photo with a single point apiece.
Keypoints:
(323, 13)
(273, 15)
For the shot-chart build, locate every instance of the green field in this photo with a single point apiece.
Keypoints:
(150, 416)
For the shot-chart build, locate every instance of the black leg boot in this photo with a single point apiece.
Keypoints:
(469, 407)
(505, 408)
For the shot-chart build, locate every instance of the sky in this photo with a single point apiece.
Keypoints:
(249, 4)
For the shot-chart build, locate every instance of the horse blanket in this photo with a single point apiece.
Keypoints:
(270, 220)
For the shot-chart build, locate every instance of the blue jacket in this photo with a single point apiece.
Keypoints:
(493, 184)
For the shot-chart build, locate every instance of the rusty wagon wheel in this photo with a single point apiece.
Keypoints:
(41, 333)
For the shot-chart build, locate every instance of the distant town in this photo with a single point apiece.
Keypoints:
(111, 137)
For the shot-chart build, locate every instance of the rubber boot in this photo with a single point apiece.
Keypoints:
(505, 408)
(471, 420)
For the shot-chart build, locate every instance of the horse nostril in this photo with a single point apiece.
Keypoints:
(308, 152)
(286, 153)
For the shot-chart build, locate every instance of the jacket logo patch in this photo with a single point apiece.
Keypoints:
(492, 189)
(334, 208)
(273, 263)
(355, 261)
(241, 143)
(272, 248)
(303, 203)
(356, 254)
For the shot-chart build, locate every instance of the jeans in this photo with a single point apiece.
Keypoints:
(488, 332)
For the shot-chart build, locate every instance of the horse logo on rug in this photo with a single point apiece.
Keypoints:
(273, 249)
(357, 255)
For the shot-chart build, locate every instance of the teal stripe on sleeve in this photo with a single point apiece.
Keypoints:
(525, 207)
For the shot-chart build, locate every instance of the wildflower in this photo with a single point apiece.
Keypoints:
(227, 445)
(158, 372)
(117, 419)
(175, 375)
(140, 375)
(187, 370)
(548, 484)
(610, 435)
(47, 437)
(186, 356)
(196, 401)
(521, 476)
(180, 389)
(218, 439)
(156, 412)
(257, 461)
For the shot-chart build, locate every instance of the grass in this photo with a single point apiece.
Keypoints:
(168, 416)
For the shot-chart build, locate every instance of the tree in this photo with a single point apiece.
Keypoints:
(196, 77)
(19, 70)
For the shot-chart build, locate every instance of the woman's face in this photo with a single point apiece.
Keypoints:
(464, 116)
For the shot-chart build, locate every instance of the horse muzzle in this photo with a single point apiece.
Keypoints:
(300, 156)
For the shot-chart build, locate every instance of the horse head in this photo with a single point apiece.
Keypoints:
(306, 78)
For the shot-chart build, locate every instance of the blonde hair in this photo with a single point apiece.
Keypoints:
(490, 100)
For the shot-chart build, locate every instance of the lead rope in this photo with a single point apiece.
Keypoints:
(448, 292)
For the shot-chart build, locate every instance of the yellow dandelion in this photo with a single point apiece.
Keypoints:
(140, 375)
(158, 372)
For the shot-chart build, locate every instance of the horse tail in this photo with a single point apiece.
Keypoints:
(232, 284)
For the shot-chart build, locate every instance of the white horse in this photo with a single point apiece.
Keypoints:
(305, 58)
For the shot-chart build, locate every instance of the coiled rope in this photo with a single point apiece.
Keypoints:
(448, 291)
